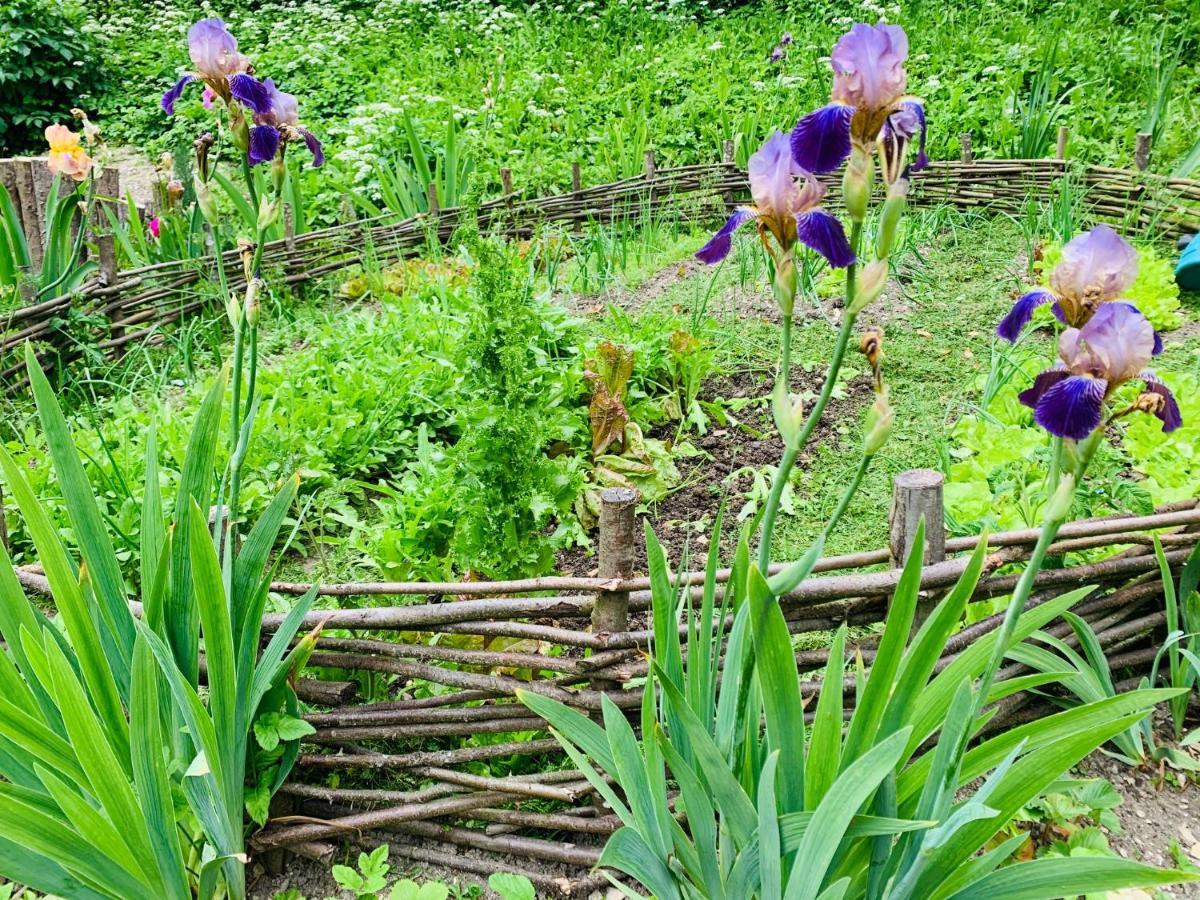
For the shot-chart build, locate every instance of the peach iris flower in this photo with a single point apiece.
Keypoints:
(67, 156)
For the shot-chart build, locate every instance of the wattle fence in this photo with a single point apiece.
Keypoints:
(459, 652)
(125, 307)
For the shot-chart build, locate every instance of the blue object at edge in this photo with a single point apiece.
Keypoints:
(1187, 270)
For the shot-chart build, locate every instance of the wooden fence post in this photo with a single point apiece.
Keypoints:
(610, 613)
(967, 155)
(917, 495)
(576, 178)
(506, 180)
(649, 167)
(1141, 151)
(435, 208)
(27, 209)
(1060, 149)
(108, 185)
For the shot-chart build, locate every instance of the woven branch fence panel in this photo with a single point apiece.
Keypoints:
(458, 653)
(135, 304)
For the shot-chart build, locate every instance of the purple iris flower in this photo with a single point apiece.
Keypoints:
(869, 81)
(215, 60)
(1096, 268)
(276, 121)
(787, 205)
(1112, 348)
(780, 52)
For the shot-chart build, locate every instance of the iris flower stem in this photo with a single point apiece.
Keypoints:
(240, 424)
(1053, 521)
(248, 175)
(784, 471)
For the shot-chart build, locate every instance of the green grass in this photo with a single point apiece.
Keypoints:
(538, 86)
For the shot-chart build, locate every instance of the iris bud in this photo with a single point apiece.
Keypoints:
(880, 418)
(233, 310)
(239, 128)
(268, 212)
(253, 307)
(889, 219)
(785, 284)
(870, 285)
(1064, 497)
(856, 183)
(278, 172)
(788, 416)
(204, 199)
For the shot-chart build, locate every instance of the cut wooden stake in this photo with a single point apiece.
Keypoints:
(917, 496)
(1141, 151)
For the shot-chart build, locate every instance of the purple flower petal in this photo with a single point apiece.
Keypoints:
(1169, 415)
(719, 246)
(821, 140)
(916, 110)
(176, 91)
(1073, 407)
(1018, 317)
(868, 66)
(314, 147)
(251, 92)
(214, 51)
(1041, 384)
(1058, 312)
(264, 144)
(1115, 344)
(821, 231)
(1098, 261)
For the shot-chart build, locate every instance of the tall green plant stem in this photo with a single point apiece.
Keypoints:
(1050, 526)
(784, 471)
(239, 424)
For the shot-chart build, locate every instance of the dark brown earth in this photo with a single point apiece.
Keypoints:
(313, 880)
(1159, 806)
(682, 519)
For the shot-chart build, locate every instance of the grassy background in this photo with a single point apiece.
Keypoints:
(539, 85)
